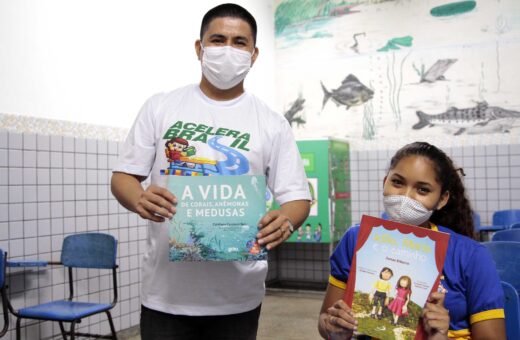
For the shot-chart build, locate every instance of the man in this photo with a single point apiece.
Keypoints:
(218, 300)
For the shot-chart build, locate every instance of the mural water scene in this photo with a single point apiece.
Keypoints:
(416, 68)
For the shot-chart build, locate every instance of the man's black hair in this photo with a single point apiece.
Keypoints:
(228, 10)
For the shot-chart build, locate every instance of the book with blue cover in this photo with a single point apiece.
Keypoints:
(217, 218)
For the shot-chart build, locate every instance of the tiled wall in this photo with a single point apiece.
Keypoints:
(492, 181)
(492, 178)
(52, 186)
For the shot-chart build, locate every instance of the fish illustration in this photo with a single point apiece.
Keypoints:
(292, 115)
(436, 71)
(479, 116)
(350, 93)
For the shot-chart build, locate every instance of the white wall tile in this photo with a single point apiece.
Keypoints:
(4, 194)
(56, 160)
(4, 176)
(43, 142)
(91, 162)
(16, 212)
(44, 176)
(81, 192)
(56, 192)
(15, 158)
(56, 209)
(92, 192)
(15, 140)
(56, 226)
(44, 194)
(30, 228)
(80, 160)
(4, 159)
(68, 192)
(30, 193)
(16, 230)
(56, 143)
(31, 247)
(68, 176)
(68, 144)
(15, 194)
(91, 146)
(80, 176)
(69, 208)
(80, 145)
(15, 178)
(16, 248)
(30, 211)
(56, 176)
(92, 177)
(4, 231)
(3, 139)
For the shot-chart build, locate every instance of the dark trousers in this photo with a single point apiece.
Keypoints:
(163, 326)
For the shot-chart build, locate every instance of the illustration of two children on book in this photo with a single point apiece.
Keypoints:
(380, 295)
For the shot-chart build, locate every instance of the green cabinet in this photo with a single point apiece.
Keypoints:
(327, 167)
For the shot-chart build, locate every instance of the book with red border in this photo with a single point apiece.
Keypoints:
(393, 261)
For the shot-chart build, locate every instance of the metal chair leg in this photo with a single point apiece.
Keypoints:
(72, 325)
(62, 329)
(18, 328)
(111, 323)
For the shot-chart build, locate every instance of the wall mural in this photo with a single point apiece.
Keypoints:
(365, 69)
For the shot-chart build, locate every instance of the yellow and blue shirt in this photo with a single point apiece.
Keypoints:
(470, 278)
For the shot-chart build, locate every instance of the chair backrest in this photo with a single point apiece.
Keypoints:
(90, 250)
(476, 220)
(512, 311)
(515, 225)
(507, 235)
(506, 217)
(506, 255)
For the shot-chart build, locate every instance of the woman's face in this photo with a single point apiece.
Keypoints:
(415, 177)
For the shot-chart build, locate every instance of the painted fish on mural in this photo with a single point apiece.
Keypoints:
(472, 120)
(437, 70)
(292, 115)
(350, 93)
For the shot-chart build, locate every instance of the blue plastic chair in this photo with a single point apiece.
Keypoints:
(502, 219)
(506, 255)
(90, 250)
(507, 235)
(3, 293)
(385, 216)
(512, 311)
(515, 225)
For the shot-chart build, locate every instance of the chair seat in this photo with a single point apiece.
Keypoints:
(491, 228)
(63, 310)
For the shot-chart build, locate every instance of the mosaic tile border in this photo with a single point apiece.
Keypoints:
(28, 124)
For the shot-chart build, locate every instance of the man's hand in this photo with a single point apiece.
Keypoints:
(156, 204)
(274, 229)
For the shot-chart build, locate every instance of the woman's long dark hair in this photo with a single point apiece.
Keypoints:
(457, 213)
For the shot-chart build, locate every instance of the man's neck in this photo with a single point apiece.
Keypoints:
(221, 95)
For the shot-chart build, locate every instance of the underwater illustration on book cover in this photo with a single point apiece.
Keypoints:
(217, 218)
(394, 270)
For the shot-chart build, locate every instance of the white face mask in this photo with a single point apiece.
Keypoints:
(406, 210)
(225, 66)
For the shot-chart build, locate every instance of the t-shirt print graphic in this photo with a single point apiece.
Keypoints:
(185, 160)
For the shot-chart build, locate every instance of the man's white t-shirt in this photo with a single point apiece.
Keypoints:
(245, 137)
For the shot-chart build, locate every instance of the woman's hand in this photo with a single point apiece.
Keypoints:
(338, 321)
(436, 318)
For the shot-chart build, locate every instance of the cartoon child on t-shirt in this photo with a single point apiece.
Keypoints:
(379, 294)
(177, 148)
